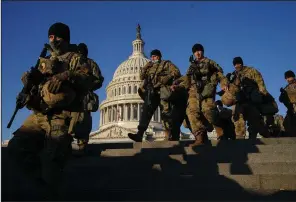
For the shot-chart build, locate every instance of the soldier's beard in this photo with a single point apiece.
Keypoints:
(59, 47)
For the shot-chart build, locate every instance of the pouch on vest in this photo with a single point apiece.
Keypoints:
(51, 66)
(165, 93)
(208, 91)
(62, 99)
(91, 102)
(291, 92)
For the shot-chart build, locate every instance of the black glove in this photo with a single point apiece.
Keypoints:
(54, 86)
(228, 76)
(34, 76)
(191, 59)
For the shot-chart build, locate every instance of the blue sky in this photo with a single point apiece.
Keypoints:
(262, 33)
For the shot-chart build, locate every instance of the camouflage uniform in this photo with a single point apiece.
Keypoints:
(48, 130)
(254, 91)
(202, 109)
(162, 75)
(83, 128)
(288, 97)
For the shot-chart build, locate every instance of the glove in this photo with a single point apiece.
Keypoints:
(34, 76)
(191, 59)
(228, 76)
(54, 86)
(157, 85)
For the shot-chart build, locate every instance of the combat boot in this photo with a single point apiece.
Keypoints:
(220, 133)
(200, 139)
(137, 137)
(166, 135)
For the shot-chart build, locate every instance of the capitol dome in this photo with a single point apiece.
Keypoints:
(120, 111)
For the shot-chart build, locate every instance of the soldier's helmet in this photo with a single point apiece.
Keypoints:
(62, 99)
(229, 97)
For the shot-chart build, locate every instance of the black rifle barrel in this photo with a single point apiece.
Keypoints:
(26, 89)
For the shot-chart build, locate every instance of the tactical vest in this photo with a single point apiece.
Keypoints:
(50, 67)
(204, 73)
(250, 87)
(291, 91)
(155, 71)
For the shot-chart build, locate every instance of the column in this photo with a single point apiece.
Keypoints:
(159, 115)
(111, 113)
(106, 115)
(101, 118)
(138, 112)
(117, 113)
(125, 112)
(158, 108)
(132, 111)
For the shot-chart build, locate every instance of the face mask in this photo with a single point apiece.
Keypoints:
(155, 61)
(58, 47)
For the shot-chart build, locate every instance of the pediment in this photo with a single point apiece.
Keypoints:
(112, 131)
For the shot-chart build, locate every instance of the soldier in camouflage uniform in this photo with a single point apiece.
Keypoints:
(225, 121)
(47, 130)
(201, 81)
(83, 128)
(252, 94)
(158, 76)
(288, 98)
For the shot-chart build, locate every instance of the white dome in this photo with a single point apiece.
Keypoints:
(130, 66)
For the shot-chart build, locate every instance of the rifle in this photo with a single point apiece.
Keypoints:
(195, 73)
(23, 97)
(149, 88)
(150, 91)
(284, 98)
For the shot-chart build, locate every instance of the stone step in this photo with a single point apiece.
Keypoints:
(158, 181)
(225, 150)
(180, 195)
(172, 168)
(185, 143)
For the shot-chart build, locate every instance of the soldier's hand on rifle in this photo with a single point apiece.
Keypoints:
(157, 85)
(34, 77)
(191, 59)
(282, 90)
(54, 85)
(228, 76)
(173, 87)
(225, 88)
